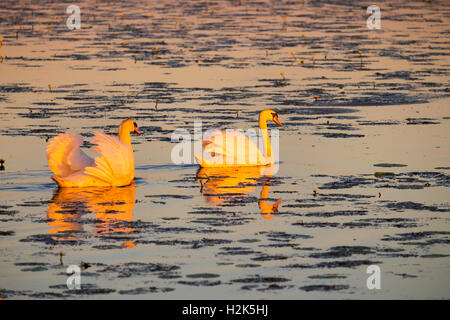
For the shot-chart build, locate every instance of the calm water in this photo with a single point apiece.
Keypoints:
(364, 171)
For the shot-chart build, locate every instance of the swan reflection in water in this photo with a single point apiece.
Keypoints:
(113, 208)
(227, 185)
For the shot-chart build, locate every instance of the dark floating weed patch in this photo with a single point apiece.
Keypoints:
(419, 236)
(201, 283)
(67, 238)
(202, 275)
(333, 264)
(390, 165)
(409, 205)
(324, 287)
(132, 269)
(338, 135)
(342, 251)
(233, 251)
(260, 279)
(7, 233)
(328, 276)
(145, 290)
(338, 213)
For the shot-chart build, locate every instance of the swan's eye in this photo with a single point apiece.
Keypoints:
(135, 125)
(274, 115)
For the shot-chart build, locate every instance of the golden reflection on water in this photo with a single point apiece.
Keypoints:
(111, 207)
(219, 185)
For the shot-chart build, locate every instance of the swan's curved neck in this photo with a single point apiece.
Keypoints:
(266, 138)
(124, 136)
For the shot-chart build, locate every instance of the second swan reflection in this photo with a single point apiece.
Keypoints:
(232, 185)
(113, 209)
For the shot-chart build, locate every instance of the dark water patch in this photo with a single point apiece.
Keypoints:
(390, 165)
(277, 245)
(434, 256)
(208, 211)
(201, 283)
(260, 279)
(404, 75)
(345, 182)
(315, 110)
(414, 121)
(192, 244)
(281, 236)
(173, 229)
(324, 287)
(107, 247)
(302, 205)
(405, 275)
(221, 222)
(342, 251)
(62, 238)
(274, 286)
(34, 269)
(389, 222)
(409, 205)
(343, 197)
(356, 224)
(333, 264)
(338, 213)
(377, 123)
(266, 257)
(202, 275)
(338, 135)
(90, 290)
(317, 224)
(7, 233)
(36, 203)
(47, 295)
(345, 264)
(401, 237)
(5, 293)
(340, 127)
(15, 88)
(170, 196)
(133, 269)
(328, 276)
(249, 240)
(237, 251)
(31, 264)
(247, 265)
(142, 290)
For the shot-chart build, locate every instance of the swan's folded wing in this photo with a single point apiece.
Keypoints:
(234, 146)
(115, 164)
(65, 156)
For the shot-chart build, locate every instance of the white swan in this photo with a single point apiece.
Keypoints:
(113, 167)
(225, 148)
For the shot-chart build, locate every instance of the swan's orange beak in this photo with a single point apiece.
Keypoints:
(136, 131)
(277, 122)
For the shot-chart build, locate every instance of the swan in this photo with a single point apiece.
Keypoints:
(225, 148)
(74, 168)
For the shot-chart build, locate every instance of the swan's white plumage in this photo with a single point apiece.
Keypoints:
(113, 167)
(227, 148)
(215, 149)
(65, 156)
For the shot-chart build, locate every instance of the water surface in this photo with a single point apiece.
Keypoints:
(364, 165)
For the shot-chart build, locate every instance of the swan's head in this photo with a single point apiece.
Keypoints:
(129, 126)
(269, 114)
